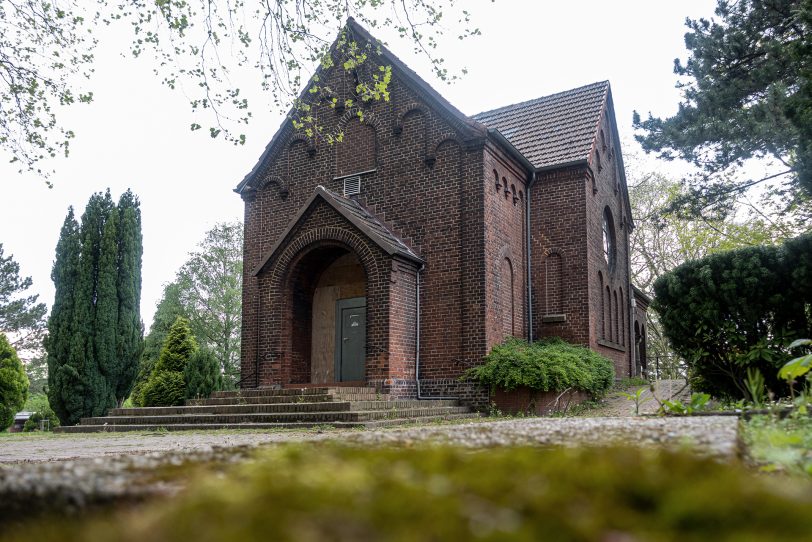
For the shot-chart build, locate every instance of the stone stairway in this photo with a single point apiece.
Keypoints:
(277, 409)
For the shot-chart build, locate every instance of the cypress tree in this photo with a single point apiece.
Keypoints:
(13, 383)
(130, 330)
(66, 383)
(95, 326)
(83, 346)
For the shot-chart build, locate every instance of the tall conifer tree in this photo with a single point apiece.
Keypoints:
(66, 383)
(130, 331)
(95, 327)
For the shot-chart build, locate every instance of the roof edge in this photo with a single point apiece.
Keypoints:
(329, 198)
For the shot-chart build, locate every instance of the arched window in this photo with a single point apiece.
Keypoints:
(507, 189)
(623, 312)
(602, 319)
(609, 246)
(608, 313)
(496, 180)
(515, 193)
(507, 299)
(617, 319)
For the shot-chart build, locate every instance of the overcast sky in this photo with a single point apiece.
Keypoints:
(136, 132)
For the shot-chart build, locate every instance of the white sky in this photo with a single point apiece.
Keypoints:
(136, 132)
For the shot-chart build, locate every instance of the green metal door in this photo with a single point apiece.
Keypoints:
(351, 339)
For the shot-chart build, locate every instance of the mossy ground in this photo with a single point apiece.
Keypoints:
(783, 445)
(314, 492)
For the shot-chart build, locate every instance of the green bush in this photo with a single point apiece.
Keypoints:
(166, 385)
(547, 365)
(738, 310)
(165, 388)
(310, 493)
(202, 374)
(13, 384)
(35, 421)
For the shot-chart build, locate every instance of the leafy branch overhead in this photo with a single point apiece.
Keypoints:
(747, 93)
(204, 49)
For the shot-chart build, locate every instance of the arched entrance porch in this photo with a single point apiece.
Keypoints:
(328, 316)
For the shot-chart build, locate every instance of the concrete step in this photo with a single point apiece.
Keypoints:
(276, 392)
(256, 426)
(269, 399)
(317, 417)
(331, 406)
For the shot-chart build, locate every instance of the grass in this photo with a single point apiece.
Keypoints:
(335, 493)
(777, 445)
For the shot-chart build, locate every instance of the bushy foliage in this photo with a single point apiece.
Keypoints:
(202, 374)
(13, 383)
(731, 311)
(548, 365)
(165, 388)
(166, 385)
(333, 493)
(168, 310)
(34, 423)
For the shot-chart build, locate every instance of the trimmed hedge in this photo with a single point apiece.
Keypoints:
(547, 365)
(736, 310)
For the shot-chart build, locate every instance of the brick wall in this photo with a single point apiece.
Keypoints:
(421, 177)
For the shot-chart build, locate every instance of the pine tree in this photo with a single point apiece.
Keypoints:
(130, 330)
(66, 383)
(202, 374)
(13, 383)
(166, 385)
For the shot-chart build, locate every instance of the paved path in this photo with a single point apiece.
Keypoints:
(70, 472)
(61, 446)
(617, 405)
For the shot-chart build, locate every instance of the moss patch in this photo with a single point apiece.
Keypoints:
(332, 492)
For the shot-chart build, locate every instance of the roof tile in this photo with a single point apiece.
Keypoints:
(552, 130)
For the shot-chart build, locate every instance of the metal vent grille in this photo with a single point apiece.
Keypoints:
(352, 185)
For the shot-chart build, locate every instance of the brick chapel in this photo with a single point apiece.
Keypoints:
(397, 258)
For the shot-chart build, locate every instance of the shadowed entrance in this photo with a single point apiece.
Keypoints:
(329, 317)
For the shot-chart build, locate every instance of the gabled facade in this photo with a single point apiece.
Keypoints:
(400, 256)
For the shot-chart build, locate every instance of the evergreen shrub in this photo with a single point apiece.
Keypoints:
(202, 374)
(738, 310)
(166, 385)
(165, 388)
(13, 384)
(547, 365)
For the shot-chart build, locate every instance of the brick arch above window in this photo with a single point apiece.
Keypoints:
(412, 108)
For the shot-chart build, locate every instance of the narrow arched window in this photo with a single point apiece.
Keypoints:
(508, 308)
(602, 319)
(608, 314)
(609, 247)
(617, 319)
(623, 312)
(496, 180)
